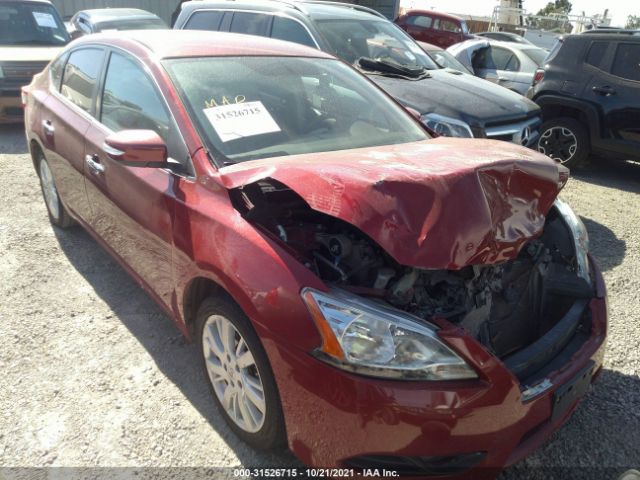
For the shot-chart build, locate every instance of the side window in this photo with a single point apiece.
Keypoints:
(627, 61)
(250, 23)
(503, 59)
(596, 54)
(204, 20)
(81, 75)
(130, 100)
(291, 31)
(420, 21)
(56, 70)
(449, 26)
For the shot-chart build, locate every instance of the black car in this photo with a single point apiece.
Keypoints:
(103, 19)
(449, 102)
(589, 91)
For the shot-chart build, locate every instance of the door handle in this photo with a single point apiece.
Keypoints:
(604, 90)
(48, 127)
(93, 162)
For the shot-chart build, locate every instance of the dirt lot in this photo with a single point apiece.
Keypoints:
(94, 374)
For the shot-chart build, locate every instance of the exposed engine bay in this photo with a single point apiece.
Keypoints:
(505, 306)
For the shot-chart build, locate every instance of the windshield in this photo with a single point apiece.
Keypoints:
(23, 23)
(446, 60)
(256, 107)
(351, 40)
(536, 54)
(127, 24)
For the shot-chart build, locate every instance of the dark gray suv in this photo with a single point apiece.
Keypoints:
(450, 103)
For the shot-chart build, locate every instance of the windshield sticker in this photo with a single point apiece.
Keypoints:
(44, 19)
(241, 120)
(224, 100)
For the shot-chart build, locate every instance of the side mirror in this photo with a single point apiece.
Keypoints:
(137, 148)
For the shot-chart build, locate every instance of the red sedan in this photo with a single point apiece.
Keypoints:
(366, 294)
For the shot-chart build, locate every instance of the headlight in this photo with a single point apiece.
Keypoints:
(445, 126)
(373, 339)
(580, 237)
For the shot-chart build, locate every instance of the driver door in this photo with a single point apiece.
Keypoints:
(133, 207)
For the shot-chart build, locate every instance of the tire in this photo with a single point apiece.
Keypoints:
(566, 140)
(58, 214)
(268, 432)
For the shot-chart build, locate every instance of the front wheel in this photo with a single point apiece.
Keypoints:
(239, 374)
(565, 140)
(58, 215)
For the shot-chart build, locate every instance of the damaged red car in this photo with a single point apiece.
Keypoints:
(368, 295)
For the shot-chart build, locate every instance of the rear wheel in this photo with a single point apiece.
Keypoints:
(58, 215)
(239, 374)
(565, 140)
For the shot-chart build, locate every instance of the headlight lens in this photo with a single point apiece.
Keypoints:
(580, 237)
(373, 339)
(445, 126)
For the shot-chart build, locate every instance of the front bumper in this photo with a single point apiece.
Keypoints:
(333, 417)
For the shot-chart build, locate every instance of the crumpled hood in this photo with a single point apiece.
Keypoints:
(442, 204)
(464, 97)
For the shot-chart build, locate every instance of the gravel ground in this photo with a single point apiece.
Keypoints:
(94, 374)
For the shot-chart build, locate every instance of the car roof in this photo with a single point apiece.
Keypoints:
(626, 35)
(101, 14)
(46, 2)
(310, 8)
(198, 43)
(513, 45)
(433, 13)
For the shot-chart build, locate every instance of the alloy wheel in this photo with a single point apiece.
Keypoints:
(233, 373)
(49, 189)
(559, 143)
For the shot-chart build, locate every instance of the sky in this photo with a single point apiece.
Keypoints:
(618, 9)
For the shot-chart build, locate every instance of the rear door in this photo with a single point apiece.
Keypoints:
(251, 23)
(615, 88)
(65, 119)
(450, 33)
(498, 65)
(133, 206)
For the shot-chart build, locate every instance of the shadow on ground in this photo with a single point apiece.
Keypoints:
(12, 139)
(177, 359)
(608, 249)
(599, 442)
(623, 175)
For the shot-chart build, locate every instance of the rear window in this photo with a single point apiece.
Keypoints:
(626, 63)
(80, 77)
(205, 21)
(128, 24)
(536, 54)
(596, 54)
(250, 23)
(24, 23)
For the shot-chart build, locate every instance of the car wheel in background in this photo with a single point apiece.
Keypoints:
(58, 215)
(239, 374)
(565, 140)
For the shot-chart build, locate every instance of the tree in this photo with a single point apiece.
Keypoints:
(633, 22)
(559, 9)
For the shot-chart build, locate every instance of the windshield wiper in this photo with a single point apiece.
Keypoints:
(385, 66)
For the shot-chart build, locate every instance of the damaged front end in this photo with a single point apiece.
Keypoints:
(524, 305)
